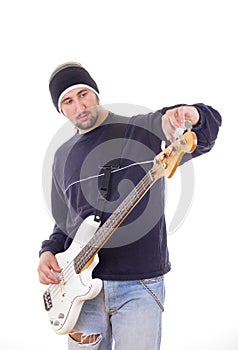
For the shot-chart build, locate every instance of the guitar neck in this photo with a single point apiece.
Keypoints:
(102, 235)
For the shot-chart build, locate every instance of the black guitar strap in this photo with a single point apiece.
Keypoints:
(116, 131)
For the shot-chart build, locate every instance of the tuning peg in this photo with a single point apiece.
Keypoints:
(178, 132)
(188, 125)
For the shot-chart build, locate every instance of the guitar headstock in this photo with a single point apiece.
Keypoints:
(167, 161)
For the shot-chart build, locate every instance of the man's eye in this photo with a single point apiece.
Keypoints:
(83, 94)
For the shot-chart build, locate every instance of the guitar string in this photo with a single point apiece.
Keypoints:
(179, 140)
(113, 171)
(129, 201)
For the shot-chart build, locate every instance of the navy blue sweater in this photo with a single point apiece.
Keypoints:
(138, 249)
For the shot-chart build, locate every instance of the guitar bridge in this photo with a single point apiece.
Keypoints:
(47, 300)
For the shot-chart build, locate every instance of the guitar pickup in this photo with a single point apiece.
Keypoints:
(47, 300)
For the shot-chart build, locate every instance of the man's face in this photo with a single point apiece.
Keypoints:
(80, 105)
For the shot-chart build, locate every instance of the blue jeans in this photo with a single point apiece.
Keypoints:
(126, 315)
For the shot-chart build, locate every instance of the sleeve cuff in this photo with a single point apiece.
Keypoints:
(201, 121)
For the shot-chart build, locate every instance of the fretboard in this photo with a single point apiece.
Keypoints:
(102, 235)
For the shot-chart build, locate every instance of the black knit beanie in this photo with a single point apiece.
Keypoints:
(67, 76)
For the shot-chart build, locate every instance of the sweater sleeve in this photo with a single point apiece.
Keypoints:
(207, 129)
(56, 242)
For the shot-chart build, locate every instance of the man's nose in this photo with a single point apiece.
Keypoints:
(79, 107)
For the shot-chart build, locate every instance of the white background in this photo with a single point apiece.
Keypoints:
(151, 53)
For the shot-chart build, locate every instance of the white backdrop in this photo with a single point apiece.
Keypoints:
(155, 54)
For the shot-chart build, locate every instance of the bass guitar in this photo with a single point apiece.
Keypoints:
(64, 301)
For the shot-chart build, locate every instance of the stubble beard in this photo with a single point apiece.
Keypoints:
(89, 122)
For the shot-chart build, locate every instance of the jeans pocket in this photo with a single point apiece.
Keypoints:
(150, 283)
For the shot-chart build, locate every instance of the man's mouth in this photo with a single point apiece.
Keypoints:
(82, 116)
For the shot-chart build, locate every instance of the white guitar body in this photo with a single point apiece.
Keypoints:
(64, 301)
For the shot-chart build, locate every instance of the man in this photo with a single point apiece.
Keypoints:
(93, 173)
